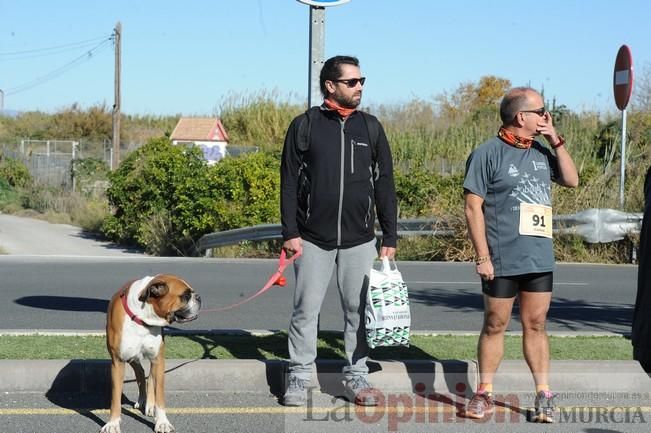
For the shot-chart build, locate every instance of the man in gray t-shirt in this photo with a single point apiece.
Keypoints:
(505, 177)
(508, 210)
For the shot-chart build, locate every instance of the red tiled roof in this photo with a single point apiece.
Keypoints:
(199, 129)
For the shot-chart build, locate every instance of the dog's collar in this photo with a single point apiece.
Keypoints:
(127, 310)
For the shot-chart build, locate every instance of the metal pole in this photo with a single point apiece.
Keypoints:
(622, 169)
(2, 100)
(116, 105)
(317, 54)
(317, 50)
(72, 164)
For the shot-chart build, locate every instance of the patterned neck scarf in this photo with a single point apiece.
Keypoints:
(343, 111)
(513, 140)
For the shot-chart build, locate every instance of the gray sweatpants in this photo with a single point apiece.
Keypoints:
(313, 272)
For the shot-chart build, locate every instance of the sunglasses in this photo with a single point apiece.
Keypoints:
(538, 111)
(351, 82)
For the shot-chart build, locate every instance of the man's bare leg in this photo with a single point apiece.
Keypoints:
(535, 343)
(490, 349)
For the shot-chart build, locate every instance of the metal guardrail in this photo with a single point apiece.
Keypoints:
(267, 232)
(594, 225)
(263, 232)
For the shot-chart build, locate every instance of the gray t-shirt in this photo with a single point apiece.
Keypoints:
(506, 176)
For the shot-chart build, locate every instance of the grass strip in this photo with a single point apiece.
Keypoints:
(330, 346)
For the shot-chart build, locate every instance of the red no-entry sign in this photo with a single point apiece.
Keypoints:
(623, 77)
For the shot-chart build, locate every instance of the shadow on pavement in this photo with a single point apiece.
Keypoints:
(455, 376)
(106, 244)
(570, 313)
(85, 385)
(64, 303)
(601, 430)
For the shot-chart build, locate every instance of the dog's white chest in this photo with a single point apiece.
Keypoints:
(139, 342)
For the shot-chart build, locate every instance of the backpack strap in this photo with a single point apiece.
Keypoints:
(305, 128)
(373, 128)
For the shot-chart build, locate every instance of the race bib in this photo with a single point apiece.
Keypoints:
(535, 220)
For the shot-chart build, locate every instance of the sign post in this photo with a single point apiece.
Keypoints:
(317, 53)
(622, 88)
(317, 46)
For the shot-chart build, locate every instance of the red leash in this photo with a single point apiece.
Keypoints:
(276, 279)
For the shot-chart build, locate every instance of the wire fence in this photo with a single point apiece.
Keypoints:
(50, 161)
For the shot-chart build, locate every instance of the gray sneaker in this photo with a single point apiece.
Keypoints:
(360, 392)
(544, 407)
(296, 394)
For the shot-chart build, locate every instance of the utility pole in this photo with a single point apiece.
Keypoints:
(2, 100)
(117, 35)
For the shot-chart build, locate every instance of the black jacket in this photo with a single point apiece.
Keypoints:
(641, 329)
(329, 192)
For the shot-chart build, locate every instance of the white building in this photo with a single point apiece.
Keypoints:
(206, 132)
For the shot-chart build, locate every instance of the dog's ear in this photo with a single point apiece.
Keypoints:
(155, 289)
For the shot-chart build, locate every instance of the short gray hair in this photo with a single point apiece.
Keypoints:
(515, 100)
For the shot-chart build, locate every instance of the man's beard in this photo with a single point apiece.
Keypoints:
(346, 102)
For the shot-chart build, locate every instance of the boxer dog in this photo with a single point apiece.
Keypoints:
(136, 315)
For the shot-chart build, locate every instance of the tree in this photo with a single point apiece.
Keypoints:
(470, 97)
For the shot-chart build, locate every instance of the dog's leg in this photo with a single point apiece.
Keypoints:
(149, 408)
(163, 425)
(142, 386)
(117, 380)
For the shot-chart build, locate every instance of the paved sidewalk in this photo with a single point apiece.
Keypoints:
(28, 236)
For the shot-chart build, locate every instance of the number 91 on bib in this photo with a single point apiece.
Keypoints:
(535, 220)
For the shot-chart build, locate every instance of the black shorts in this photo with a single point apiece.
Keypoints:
(508, 287)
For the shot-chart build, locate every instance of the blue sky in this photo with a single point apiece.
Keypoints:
(188, 56)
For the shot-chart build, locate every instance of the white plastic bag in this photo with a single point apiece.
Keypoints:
(388, 317)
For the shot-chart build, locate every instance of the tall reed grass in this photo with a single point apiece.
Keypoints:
(429, 147)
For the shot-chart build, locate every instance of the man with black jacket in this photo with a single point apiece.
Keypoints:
(641, 329)
(335, 173)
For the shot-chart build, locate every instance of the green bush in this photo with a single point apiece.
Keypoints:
(415, 192)
(247, 190)
(9, 198)
(89, 169)
(163, 182)
(422, 193)
(14, 172)
(165, 197)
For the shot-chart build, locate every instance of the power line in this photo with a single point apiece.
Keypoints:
(18, 57)
(59, 71)
(71, 44)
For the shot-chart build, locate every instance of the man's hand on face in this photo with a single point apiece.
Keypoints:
(546, 128)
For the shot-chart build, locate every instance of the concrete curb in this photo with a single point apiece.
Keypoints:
(445, 377)
(577, 376)
(81, 376)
